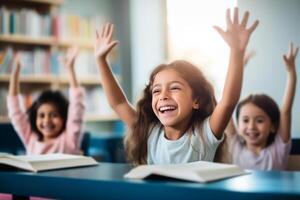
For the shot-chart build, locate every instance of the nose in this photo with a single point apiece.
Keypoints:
(164, 95)
(251, 124)
(47, 118)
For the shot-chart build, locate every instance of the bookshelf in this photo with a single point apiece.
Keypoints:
(52, 42)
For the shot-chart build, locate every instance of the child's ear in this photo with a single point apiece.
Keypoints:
(196, 105)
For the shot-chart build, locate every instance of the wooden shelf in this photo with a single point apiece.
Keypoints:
(52, 44)
(84, 80)
(46, 41)
(87, 118)
(99, 117)
(83, 43)
(52, 79)
(23, 39)
(38, 78)
(50, 2)
(41, 2)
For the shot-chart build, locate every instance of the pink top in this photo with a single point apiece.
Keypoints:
(273, 157)
(67, 142)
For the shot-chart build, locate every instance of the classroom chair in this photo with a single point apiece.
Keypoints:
(294, 158)
(10, 141)
(107, 148)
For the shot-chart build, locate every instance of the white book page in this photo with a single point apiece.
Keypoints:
(48, 157)
(200, 171)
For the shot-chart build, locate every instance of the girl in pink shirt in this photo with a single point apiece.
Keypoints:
(51, 124)
(264, 139)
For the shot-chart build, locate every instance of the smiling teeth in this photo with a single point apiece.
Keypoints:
(164, 108)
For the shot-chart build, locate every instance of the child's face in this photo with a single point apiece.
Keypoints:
(254, 125)
(172, 99)
(48, 121)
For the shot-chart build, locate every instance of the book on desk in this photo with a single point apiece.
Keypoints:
(200, 171)
(36, 163)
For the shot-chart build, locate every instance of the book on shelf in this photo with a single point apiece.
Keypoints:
(200, 171)
(36, 163)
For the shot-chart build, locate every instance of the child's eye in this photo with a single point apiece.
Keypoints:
(245, 120)
(175, 88)
(53, 114)
(41, 115)
(155, 91)
(260, 121)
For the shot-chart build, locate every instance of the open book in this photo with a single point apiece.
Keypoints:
(200, 171)
(37, 163)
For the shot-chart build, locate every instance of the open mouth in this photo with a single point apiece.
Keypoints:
(252, 135)
(165, 109)
(48, 128)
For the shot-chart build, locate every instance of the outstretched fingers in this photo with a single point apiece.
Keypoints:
(104, 42)
(290, 57)
(293, 51)
(228, 18)
(236, 16)
(245, 19)
(110, 32)
(253, 27)
(296, 52)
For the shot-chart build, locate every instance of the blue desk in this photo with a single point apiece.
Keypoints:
(106, 182)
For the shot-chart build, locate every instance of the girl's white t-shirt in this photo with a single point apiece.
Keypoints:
(199, 145)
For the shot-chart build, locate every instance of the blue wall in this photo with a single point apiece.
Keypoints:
(279, 24)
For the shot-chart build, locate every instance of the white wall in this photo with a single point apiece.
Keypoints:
(279, 24)
(147, 20)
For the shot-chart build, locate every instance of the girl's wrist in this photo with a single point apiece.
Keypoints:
(238, 51)
(101, 59)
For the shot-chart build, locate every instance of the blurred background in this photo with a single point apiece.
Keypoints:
(150, 32)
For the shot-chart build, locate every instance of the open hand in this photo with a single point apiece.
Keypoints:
(290, 58)
(104, 42)
(237, 35)
(69, 59)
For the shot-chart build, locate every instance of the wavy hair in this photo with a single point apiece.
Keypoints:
(136, 140)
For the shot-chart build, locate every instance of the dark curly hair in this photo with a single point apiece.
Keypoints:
(55, 98)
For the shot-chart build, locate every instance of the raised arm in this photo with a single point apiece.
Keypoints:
(69, 62)
(237, 37)
(115, 95)
(14, 78)
(289, 94)
(231, 130)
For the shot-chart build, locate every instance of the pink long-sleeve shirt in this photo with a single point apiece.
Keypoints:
(67, 142)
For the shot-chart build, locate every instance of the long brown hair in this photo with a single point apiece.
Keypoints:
(136, 139)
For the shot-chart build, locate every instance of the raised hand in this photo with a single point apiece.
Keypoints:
(289, 94)
(104, 42)
(14, 78)
(70, 57)
(17, 63)
(237, 35)
(290, 58)
(69, 62)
